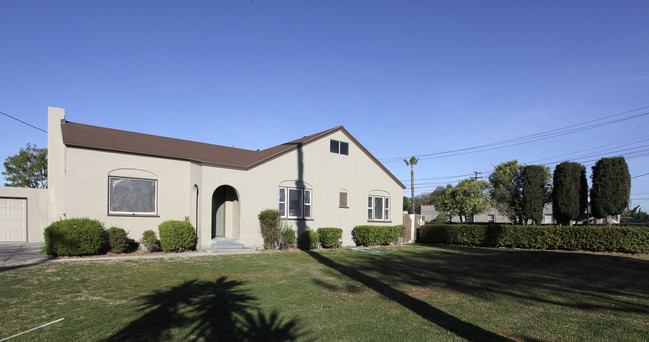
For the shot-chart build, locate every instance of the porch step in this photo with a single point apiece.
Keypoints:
(226, 243)
(229, 246)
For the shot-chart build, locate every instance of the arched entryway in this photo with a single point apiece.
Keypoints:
(225, 212)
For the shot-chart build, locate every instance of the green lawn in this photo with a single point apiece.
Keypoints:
(414, 293)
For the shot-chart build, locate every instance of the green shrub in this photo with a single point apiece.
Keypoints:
(177, 236)
(150, 241)
(590, 238)
(270, 224)
(330, 237)
(308, 240)
(117, 240)
(76, 236)
(376, 235)
(288, 236)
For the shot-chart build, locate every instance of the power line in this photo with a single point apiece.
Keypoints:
(529, 138)
(21, 121)
(642, 175)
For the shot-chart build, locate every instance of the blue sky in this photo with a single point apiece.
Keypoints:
(404, 77)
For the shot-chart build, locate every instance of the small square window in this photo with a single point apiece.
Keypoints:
(334, 146)
(338, 147)
(344, 148)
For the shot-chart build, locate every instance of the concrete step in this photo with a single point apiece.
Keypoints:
(232, 251)
(226, 244)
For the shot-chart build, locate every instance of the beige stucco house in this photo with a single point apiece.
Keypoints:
(136, 181)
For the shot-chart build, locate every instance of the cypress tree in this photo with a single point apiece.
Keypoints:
(611, 187)
(534, 189)
(570, 193)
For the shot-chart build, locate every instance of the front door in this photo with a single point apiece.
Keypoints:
(219, 219)
(218, 212)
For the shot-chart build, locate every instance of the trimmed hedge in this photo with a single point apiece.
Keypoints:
(117, 240)
(177, 236)
(330, 237)
(150, 241)
(588, 238)
(75, 236)
(376, 235)
(308, 240)
(271, 228)
(288, 236)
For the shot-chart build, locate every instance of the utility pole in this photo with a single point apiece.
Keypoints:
(476, 174)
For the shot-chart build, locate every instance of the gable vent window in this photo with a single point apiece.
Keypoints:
(343, 200)
(339, 147)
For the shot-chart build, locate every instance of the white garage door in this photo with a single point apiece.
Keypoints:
(13, 219)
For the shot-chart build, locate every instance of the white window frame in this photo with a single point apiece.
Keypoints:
(339, 149)
(133, 213)
(303, 204)
(386, 202)
(282, 211)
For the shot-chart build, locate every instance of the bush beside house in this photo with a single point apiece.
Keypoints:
(376, 235)
(330, 237)
(72, 237)
(270, 225)
(177, 236)
(150, 241)
(308, 240)
(117, 240)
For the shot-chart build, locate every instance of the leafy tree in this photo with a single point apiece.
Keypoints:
(570, 193)
(611, 187)
(535, 189)
(27, 169)
(506, 191)
(406, 205)
(636, 213)
(412, 162)
(470, 197)
(445, 202)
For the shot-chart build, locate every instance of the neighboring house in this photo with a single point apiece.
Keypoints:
(136, 181)
(490, 216)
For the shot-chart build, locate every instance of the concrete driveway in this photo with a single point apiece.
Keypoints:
(14, 254)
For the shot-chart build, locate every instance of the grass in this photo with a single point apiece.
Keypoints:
(422, 293)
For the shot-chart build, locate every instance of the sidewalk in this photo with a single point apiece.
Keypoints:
(19, 254)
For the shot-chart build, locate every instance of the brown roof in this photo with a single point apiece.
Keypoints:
(100, 138)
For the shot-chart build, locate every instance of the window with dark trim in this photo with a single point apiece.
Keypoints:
(342, 201)
(295, 203)
(338, 147)
(132, 196)
(378, 208)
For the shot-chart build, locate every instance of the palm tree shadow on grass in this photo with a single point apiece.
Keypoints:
(211, 311)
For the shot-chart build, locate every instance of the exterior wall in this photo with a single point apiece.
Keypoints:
(87, 187)
(313, 166)
(37, 200)
(78, 179)
(55, 164)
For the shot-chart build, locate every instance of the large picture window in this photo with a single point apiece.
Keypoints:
(378, 208)
(295, 203)
(132, 196)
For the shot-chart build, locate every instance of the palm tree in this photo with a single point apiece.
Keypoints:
(412, 162)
